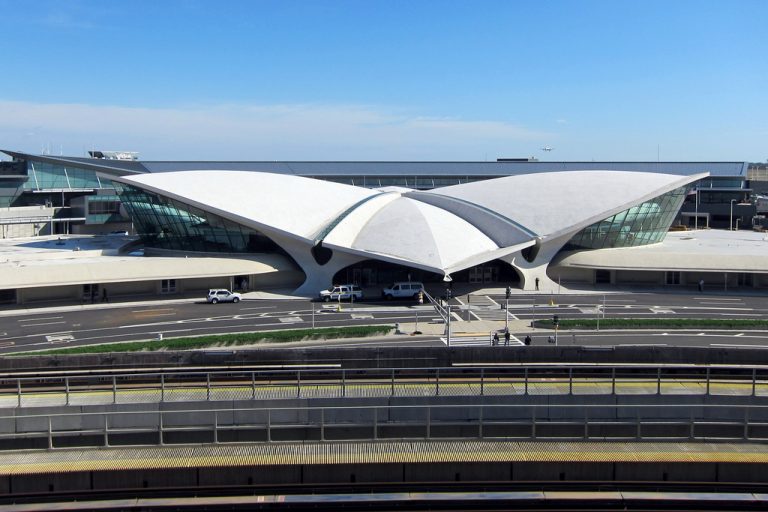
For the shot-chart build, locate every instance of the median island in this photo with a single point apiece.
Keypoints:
(226, 340)
(590, 324)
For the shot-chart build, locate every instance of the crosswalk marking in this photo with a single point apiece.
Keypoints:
(478, 341)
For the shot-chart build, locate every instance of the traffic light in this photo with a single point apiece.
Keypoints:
(555, 320)
(508, 292)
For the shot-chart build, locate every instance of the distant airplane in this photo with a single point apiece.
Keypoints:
(547, 148)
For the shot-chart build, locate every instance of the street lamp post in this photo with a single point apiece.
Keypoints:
(696, 218)
(730, 223)
(448, 325)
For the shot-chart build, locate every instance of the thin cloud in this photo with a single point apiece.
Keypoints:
(261, 131)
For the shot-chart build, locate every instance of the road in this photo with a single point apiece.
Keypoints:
(97, 323)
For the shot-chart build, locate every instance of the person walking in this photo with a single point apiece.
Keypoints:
(701, 285)
(506, 338)
(537, 283)
(495, 340)
(527, 340)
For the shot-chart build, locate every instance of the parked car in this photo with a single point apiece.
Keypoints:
(221, 295)
(342, 292)
(402, 290)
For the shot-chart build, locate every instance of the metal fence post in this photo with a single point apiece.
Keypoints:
(106, 430)
(269, 425)
(392, 389)
(482, 381)
(298, 383)
(375, 423)
(613, 380)
(480, 431)
(253, 385)
(343, 382)
(114, 389)
(429, 422)
(50, 434)
(208, 386)
(437, 382)
(526, 381)
(215, 427)
(18, 392)
(162, 387)
(570, 381)
(692, 433)
(322, 424)
(708, 376)
(746, 423)
(658, 381)
(66, 387)
(754, 381)
(160, 427)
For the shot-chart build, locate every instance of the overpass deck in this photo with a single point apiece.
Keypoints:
(203, 391)
(33, 462)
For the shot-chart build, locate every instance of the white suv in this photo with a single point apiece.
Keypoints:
(342, 292)
(402, 290)
(222, 295)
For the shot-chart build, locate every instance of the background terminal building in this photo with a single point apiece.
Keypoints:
(219, 211)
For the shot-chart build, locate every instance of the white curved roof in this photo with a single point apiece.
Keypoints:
(443, 229)
(294, 205)
(557, 202)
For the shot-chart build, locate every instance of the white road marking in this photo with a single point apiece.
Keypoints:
(361, 317)
(710, 298)
(717, 309)
(735, 345)
(35, 319)
(44, 323)
(60, 338)
(290, 319)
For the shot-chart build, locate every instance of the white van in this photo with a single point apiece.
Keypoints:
(402, 290)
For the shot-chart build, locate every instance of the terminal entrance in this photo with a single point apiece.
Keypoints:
(371, 273)
(493, 272)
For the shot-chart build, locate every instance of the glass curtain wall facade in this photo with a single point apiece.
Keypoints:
(646, 223)
(165, 223)
(45, 176)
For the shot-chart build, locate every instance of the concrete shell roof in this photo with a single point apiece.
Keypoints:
(554, 203)
(292, 204)
(443, 229)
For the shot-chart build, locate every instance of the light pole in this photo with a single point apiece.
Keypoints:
(696, 218)
(730, 223)
(448, 329)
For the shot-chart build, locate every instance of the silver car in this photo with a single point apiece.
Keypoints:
(222, 295)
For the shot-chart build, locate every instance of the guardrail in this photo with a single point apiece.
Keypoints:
(675, 422)
(394, 382)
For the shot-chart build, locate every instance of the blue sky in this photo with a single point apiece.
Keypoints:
(387, 80)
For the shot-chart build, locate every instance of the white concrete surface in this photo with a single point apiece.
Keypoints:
(703, 250)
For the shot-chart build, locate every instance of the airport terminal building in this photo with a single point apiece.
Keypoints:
(305, 225)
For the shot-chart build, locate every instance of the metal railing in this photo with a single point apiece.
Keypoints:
(391, 382)
(674, 422)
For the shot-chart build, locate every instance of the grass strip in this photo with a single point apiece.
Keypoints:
(226, 340)
(657, 323)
